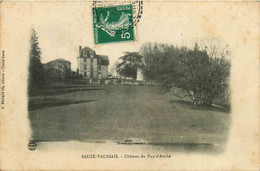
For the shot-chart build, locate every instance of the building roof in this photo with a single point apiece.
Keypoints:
(60, 60)
(103, 60)
(85, 49)
(88, 49)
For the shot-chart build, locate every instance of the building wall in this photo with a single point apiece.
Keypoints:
(81, 66)
(84, 66)
(140, 74)
(104, 71)
(88, 65)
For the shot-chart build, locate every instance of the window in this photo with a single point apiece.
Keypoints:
(85, 74)
(99, 67)
(85, 67)
(84, 52)
(91, 59)
(91, 74)
(85, 59)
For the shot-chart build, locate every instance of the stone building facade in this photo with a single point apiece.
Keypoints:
(91, 65)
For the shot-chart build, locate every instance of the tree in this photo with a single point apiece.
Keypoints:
(199, 74)
(161, 61)
(36, 73)
(129, 64)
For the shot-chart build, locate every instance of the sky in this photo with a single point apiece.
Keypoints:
(64, 26)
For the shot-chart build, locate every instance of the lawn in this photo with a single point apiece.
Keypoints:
(118, 112)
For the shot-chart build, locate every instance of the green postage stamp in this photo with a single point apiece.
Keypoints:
(114, 23)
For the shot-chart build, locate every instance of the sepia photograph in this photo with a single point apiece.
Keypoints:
(135, 81)
(161, 95)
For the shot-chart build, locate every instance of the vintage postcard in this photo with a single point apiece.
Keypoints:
(129, 85)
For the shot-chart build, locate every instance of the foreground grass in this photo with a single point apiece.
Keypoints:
(119, 112)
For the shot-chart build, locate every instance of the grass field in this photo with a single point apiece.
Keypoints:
(120, 112)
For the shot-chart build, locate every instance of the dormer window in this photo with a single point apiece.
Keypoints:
(84, 52)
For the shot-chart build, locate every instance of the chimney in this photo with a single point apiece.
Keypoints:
(80, 48)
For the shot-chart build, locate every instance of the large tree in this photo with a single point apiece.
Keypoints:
(36, 73)
(199, 73)
(202, 76)
(161, 60)
(129, 63)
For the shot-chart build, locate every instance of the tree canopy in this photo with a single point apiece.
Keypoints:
(129, 63)
(201, 74)
(36, 73)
